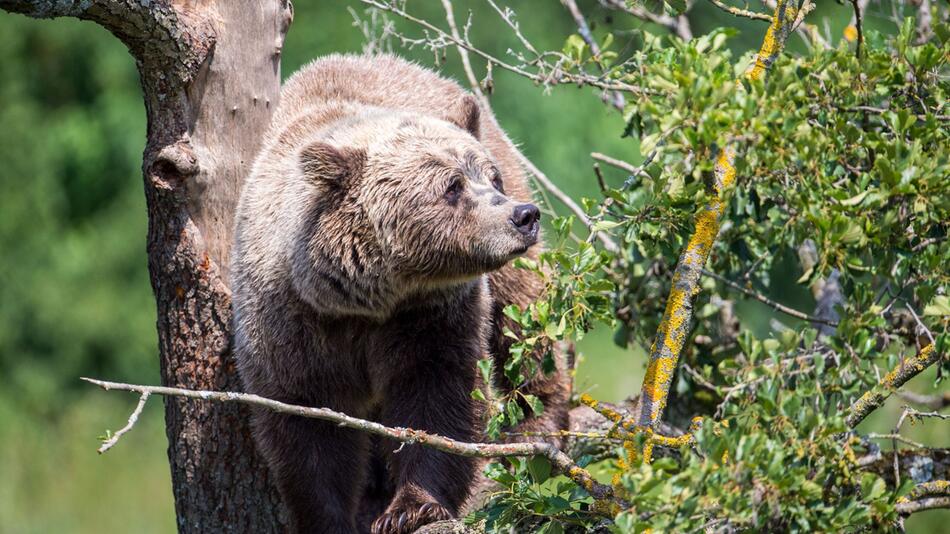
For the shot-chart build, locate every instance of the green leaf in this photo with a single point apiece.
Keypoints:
(678, 6)
(485, 365)
(939, 306)
(855, 200)
(600, 226)
(540, 469)
(535, 403)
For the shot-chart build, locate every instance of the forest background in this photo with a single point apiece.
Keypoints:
(75, 298)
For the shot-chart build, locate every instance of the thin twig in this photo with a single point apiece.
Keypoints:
(897, 437)
(765, 300)
(405, 435)
(934, 402)
(583, 29)
(556, 76)
(620, 164)
(920, 324)
(463, 53)
(107, 444)
(678, 25)
(739, 12)
(858, 22)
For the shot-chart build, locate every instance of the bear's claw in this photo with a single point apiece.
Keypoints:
(402, 521)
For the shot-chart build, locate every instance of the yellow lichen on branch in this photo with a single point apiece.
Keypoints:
(675, 324)
(898, 376)
(774, 40)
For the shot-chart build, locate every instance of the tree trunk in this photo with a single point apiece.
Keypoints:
(210, 73)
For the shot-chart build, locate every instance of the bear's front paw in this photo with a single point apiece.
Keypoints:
(406, 519)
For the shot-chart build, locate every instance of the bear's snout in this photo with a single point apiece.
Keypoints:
(525, 217)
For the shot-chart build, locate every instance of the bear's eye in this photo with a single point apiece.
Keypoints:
(454, 190)
(497, 183)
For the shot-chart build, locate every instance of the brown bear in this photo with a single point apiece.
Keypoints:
(369, 271)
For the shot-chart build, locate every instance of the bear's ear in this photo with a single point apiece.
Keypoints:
(321, 161)
(466, 115)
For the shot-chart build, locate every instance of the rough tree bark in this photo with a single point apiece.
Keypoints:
(210, 73)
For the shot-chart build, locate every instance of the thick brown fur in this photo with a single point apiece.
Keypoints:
(371, 264)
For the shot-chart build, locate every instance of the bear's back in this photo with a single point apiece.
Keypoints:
(384, 81)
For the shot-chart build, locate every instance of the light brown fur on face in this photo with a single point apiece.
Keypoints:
(370, 268)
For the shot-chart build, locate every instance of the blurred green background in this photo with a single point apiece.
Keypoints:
(75, 298)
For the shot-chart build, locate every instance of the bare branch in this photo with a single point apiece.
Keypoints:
(739, 12)
(463, 53)
(765, 300)
(858, 22)
(920, 324)
(907, 368)
(934, 402)
(678, 25)
(508, 16)
(897, 437)
(907, 508)
(108, 443)
(546, 74)
(583, 29)
(559, 459)
(620, 164)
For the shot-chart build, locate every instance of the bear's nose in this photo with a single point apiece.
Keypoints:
(525, 218)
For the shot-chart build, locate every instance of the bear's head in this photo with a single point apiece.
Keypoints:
(403, 205)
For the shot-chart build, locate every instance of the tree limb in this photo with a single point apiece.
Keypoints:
(559, 459)
(905, 370)
(920, 465)
(808, 32)
(739, 12)
(157, 29)
(857, 21)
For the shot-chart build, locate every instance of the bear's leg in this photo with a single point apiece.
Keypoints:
(319, 469)
(430, 485)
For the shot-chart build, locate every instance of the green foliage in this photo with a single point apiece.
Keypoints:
(533, 501)
(75, 298)
(576, 297)
(843, 188)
